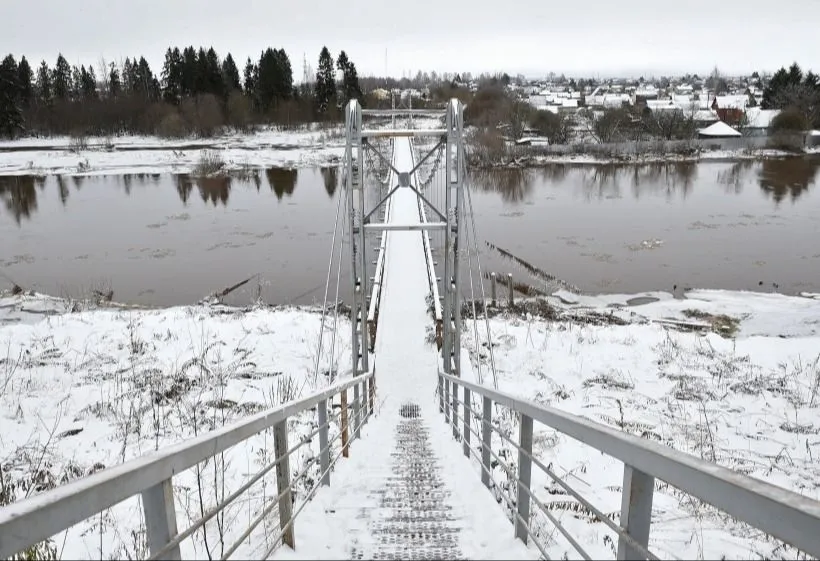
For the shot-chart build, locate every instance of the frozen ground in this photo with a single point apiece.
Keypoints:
(748, 402)
(85, 390)
(535, 159)
(312, 145)
(148, 154)
(309, 146)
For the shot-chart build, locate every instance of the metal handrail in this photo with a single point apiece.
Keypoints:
(200, 522)
(30, 521)
(531, 494)
(776, 511)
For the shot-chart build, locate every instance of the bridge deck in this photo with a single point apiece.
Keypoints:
(406, 492)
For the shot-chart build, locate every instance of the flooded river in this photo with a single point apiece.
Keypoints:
(172, 239)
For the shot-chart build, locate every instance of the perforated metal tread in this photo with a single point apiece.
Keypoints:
(414, 519)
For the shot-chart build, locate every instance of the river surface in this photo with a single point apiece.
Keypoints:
(173, 239)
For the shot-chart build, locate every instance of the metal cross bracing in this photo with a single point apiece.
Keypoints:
(446, 214)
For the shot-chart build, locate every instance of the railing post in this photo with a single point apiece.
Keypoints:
(455, 410)
(467, 410)
(524, 477)
(324, 453)
(636, 511)
(343, 394)
(447, 401)
(510, 286)
(357, 422)
(494, 288)
(280, 445)
(160, 517)
(440, 394)
(365, 402)
(373, 393)
(486, 437)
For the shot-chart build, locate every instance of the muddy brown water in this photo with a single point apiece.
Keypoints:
(172, 239)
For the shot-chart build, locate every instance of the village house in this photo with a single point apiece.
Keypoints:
(730, 108)
(758, 121)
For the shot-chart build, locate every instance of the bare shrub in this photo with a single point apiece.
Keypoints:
(239, 112)
(487, 147)
(203, 114)
(172, 126)
(555, 127)
(210, 163)
(789, 120)
(78, 142)
(786, 141)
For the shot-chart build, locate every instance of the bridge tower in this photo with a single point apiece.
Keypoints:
(361, 218)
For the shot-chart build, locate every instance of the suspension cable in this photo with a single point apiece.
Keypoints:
(481, 282)
(327, 283)
(480, 377)
(336, 298)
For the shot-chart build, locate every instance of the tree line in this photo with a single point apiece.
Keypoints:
(196, 92)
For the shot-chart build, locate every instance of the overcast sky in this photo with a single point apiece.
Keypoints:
(534, 37)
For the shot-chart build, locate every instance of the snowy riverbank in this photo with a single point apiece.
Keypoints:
(307, 147)
(535, 159)
(748, 402)
(312, 146)
(84, 390)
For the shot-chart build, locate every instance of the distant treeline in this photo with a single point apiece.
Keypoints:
(196, 92)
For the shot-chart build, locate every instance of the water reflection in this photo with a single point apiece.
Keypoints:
(514, 185)
(777, 178)
(660, 178)
(184, 187)
(735, 177)
(62, 189)
(19, 195)
(792, 176)
(282, 181)
(330, 177)
(214, 189)
(597, 181)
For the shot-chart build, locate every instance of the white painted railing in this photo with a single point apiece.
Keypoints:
(28, 522)
(780, 513)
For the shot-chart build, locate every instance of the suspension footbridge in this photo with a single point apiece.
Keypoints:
(411, 474)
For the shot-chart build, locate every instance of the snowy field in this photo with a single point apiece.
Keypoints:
(307, 147)
(704, 155)
(87, 390)
(311, 146)
(747, 400)
(731, 377)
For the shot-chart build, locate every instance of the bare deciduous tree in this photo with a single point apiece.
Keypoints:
(608, 125)
(669, 124)
(556, 127)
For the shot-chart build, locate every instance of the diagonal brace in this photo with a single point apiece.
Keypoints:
(424, 159)
(366, 218)
(423, 198)
(375, 150)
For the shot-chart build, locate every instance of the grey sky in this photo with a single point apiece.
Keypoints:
(589, 37)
